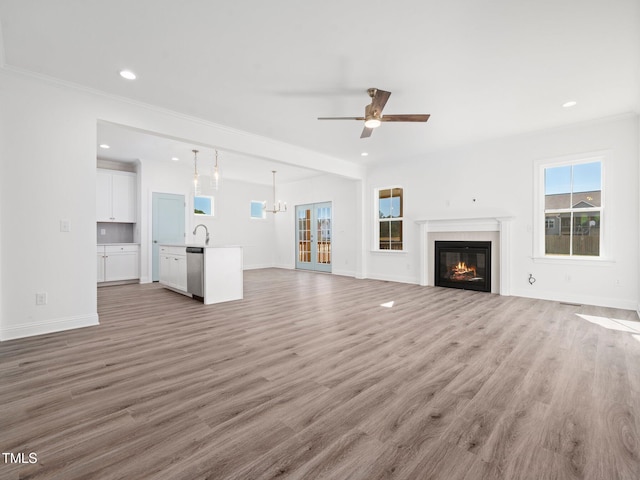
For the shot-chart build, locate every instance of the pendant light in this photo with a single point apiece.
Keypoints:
(279, 207)
(196, 183)
(216, 173)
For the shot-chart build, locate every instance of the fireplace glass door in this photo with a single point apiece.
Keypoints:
(465, 265)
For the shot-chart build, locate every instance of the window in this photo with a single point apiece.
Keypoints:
(573, 209)
(390, 210)
(257, 209)
(203, 205)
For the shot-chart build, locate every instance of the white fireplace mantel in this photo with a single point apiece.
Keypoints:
(468, 223)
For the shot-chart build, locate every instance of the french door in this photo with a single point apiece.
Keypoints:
(313, 237)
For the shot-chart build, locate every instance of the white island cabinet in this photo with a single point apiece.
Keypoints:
(222, 271)
(173, 267)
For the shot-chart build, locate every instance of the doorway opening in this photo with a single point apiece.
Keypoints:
(313, 237)
(167, 226)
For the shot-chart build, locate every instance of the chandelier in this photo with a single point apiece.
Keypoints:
(277, 207)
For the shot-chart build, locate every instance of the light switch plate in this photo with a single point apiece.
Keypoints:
(41, 298)
(65, 226)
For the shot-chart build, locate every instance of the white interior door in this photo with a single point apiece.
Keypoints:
(313, 237)
(167, 225)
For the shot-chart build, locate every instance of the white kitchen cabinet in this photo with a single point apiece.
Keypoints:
(115, 196)
(173, 267)
(119, 262)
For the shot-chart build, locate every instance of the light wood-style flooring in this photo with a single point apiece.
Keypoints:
(309, 377)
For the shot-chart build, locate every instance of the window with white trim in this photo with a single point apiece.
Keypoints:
(203, 205)
(573, 208)
(258, 210)
(389, 228)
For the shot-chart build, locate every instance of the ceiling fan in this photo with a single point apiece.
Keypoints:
(373, 113)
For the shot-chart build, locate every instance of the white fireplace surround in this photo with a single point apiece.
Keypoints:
(486, 223)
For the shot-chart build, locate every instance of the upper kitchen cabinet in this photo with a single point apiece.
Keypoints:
(116, 196)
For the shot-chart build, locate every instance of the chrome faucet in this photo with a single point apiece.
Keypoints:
(206, 242)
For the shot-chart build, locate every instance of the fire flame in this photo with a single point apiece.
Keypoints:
(461, 268)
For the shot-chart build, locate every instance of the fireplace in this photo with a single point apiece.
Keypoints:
(463, 264)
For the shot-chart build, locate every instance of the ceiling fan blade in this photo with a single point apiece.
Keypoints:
(366, 132)
(340, 118)
(406, 118)
(379, 100)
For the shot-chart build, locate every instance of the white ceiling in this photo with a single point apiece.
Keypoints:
(129, 145)
(482, 69)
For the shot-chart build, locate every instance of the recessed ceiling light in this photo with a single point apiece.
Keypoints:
(175, 159)
(570, 103)
(128, 74)
(364, 154)
(104, 145)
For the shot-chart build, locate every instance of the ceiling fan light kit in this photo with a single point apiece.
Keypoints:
(373, 117)
(372, 123)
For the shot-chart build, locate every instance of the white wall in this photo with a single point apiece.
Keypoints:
(48, 155)
(343, 194)
(231, 224)
(499, 175)
(49, 174)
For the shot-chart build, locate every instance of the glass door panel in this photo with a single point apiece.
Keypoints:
(303, 235)
(323, 236)
(313, 237)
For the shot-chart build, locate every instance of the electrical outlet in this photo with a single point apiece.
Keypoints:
(65, 226)
(41, 298)
(103, 231)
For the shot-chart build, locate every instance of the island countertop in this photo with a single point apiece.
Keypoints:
(200, 245)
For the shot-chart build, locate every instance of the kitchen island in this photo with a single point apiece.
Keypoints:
(215, 275)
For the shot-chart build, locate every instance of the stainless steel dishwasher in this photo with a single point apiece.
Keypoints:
(195, 271)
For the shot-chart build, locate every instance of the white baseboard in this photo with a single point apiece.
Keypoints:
(256, 267)
(283, 265)
(48, 326)
(394, 278)
(344, 273)
(580, 299)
